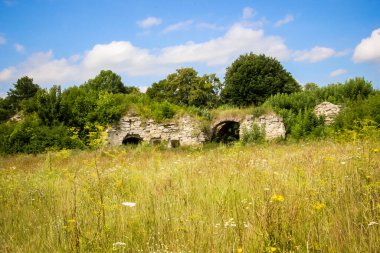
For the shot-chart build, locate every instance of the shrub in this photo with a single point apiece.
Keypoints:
(255, 135)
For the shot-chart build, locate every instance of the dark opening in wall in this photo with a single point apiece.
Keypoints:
(174, 143)
(155, 141)
(132, 139)
(226, 132)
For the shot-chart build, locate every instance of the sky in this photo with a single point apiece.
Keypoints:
(67, 42)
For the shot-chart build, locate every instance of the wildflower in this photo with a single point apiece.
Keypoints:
(277, 198)
(117, 245)
(373, 223)
(271, 249)
(239, 250)
(375, 150)
(129, 204)
(319, 206)
(230, 223)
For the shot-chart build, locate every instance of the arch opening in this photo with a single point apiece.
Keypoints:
(226, 132)
(132, 139)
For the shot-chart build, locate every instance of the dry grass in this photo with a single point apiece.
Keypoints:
(309, 197)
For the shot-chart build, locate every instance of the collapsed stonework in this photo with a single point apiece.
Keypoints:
(328, 110)
(187, 131)
(272, 125)
(133, 129)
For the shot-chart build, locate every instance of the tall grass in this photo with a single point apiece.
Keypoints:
(305, 197)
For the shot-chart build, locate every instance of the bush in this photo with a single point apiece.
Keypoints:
(254, 135)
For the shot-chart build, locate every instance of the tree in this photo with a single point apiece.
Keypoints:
(108, 81)
(310, 87)
(24, 89)
(251, 79)
(186, 88)
(5, 109)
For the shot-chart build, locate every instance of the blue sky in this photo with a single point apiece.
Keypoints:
(67, 42)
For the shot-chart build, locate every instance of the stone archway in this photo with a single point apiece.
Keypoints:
(226, 131)
(132, 139)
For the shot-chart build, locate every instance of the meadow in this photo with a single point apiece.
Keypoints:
(317, 196)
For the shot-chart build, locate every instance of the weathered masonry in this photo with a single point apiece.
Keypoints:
(132, 129)
(187, 131)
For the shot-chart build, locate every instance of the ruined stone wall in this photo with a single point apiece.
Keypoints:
(328, 110)
(272, 125)
(185, 131)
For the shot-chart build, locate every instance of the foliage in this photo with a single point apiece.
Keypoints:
(6, 110)
(310, 87)
(186, 88)
(251, 79)
(108, 81)
(24, 89)
(32, 136)
(359, 99)
(254, 135)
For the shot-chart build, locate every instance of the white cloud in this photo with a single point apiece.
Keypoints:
(248, 12)
(338, 72)
(19, 48)
(368, 49)
(222, 50)
(210, 26)
(287, 19)
(317, 54)
(6, 74)
(178, 26)
(3, 40)
(125, 58)
(149, 22)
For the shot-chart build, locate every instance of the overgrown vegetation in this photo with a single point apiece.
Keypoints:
(283, 196)
(306, 197)
(53, 119)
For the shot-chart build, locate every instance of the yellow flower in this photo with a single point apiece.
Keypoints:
(375, 150)
(271, 249)
(319, 206)
(278, 198)
(239, 250)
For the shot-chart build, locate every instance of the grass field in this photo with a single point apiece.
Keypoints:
(306, 197)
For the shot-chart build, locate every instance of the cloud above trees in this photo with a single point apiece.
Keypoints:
(368, 50)
(130, 60)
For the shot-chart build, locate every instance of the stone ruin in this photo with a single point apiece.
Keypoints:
(187, 131)
(328, 110)
(132, 129)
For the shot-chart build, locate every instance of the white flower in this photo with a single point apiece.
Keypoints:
(117, 245)
(129, 204)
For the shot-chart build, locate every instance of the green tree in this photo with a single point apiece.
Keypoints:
(6, 110)
(107, 81)
(251, 79)
(46, 104)
(24, 89)
(310, 87)
(186, 88)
